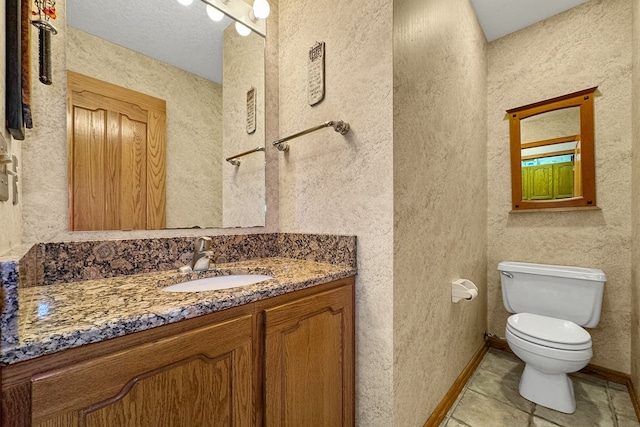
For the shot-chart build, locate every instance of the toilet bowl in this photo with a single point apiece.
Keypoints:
(547, 362)
(551, 303)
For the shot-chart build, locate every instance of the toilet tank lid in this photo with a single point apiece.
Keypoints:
(581, 273)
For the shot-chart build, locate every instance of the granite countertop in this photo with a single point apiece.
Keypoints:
(62, 316)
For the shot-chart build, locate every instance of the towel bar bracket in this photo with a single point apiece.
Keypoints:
(339, 126)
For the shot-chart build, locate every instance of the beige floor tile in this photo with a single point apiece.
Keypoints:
(478, 410)
(587, 391)
(617, 386)
(455, 404)
(628, 422)
(540, 422)
(589, 378)
(502, 362)
(622, 403)
(502, 388)
(452, 422)
(587, 414)
(491, 398)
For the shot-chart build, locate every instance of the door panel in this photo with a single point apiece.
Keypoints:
(116, 141)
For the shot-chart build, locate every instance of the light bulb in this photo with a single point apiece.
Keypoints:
(261, 9)
(185, 2)
(242, 29)
(214, 14)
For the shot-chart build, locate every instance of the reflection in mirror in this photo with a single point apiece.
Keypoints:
(550, 125)
(550, 146)
(552, 153)
(170, 53)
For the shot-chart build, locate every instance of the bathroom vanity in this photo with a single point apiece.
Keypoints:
(279, 352)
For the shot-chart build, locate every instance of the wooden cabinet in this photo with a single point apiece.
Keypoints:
(548, 182)
(201, 378)
(287, 360)
(309, 373)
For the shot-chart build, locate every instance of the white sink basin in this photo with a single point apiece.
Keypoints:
(217, 282)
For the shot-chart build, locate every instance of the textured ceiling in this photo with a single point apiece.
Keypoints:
(501, 17)
(182, 36)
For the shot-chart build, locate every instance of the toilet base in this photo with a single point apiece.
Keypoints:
(553, 391)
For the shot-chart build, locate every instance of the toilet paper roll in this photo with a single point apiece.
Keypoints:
(463, 289)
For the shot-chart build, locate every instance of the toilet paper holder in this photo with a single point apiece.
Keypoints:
(463, 289)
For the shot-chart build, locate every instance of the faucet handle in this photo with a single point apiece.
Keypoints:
(203, 244)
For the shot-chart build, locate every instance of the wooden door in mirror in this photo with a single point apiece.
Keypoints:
(553, 153)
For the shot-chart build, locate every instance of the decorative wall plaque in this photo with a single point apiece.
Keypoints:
(251, 110)
(316, 73)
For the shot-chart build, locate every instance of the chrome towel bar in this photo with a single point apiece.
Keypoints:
(339, 126)
(235, 162)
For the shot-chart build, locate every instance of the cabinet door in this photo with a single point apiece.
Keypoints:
(309, 368)
(199, 378)
(563, 174)
(541, 182)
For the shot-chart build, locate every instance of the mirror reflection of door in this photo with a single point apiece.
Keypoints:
(116, 149)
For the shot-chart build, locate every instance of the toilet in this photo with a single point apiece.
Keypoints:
(551, 304)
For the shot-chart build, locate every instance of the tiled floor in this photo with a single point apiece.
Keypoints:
(491, 399)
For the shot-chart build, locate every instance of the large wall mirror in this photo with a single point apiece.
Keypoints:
(552, 153)
(211, 82)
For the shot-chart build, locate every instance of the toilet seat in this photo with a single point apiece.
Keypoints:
(549, 332)
(547, 351)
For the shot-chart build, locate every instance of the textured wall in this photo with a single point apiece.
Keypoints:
(343, 184)
(581, 48)
(10, 215)
(44, 150)
(635, 262)
(193, 127)
(243, 186)
(45, 163)
(440, 197)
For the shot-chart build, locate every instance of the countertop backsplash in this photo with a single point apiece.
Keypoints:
(53, 263)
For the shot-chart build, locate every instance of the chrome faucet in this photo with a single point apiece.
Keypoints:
(202, 256)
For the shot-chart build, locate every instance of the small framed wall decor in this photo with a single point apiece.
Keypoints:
(316, 73)
(251, 110)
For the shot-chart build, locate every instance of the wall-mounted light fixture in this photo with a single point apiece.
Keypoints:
(247, 17)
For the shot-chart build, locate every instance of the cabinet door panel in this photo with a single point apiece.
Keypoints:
(200, 378)
(563, 174)
(309, 361)
(541, 178)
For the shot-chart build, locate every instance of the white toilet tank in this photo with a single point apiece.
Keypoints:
(569, 293)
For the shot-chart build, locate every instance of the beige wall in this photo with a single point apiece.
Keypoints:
(10, 214)
(193, 125)
(242, 186)
(635, 262)
(581, 48)
(343, 184)
(440, 197)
